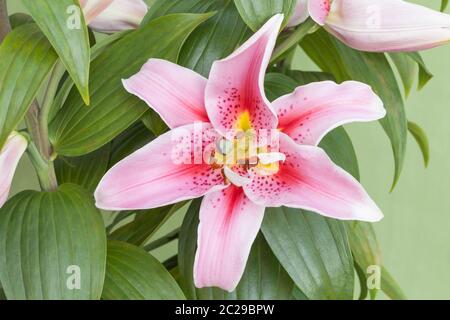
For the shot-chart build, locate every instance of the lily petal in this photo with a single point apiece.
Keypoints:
(300, 13)
(309, 180)
(235, 88)
(229, 224)
(10, 155)
(116, 16)
(177, 94)
(387, 25)
(313, 110)
(167, 170)
(319, 10)
(92, 8)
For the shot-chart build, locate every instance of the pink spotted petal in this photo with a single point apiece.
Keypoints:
(300, 13)
(10, 155)
(319, 10)
(175, 93)
(387, 25)
(309, 180)
(313, 110)
(236, 83)
(169, 169)
(229, 223)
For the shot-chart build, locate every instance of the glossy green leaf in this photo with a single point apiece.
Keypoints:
(144, 225)
(129, 141)
(390, 286)
(313, 249)
(424, 74)
(67, 85)
(421, 138)
(164, 7)
(278, 84)
(152, 120)
(264, 278)
(63, 24)
(19, 18)
(305, 77)
(256, 12)
(406, 68)
(26, 59)
(206, 44)
(345, 63)
(444, 4)
(365, 248)
(133, 274)
(77, 130)
(339, 147)
(48, 240)
(86, 171)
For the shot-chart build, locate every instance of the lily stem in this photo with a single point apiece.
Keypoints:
(44, 168)
(39, 148)
(293, 39)
(5, 27)
(47, 102)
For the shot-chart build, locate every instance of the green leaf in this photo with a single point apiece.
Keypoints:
(424, 74)
(290, 42)
(444, 4)
(129, 141)
(305, 77)
(406, 68)
(339, 148)
(390, 286)
(86, 171)
(255, 12)
(152, 120)
(278, 84)
(144, 225)
(345, 63)
(18, 19)
(313, 249)
(133, 274)
(206, 44)
(365, 248)
(26, 59)
(421, 138)
(77, 130)
(46, 238)
(71, 42)
(67, 85)
(264, 278)
(164, 7)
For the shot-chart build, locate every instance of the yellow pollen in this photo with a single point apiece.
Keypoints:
(243, 122)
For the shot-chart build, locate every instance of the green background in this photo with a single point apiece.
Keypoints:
(415, 233)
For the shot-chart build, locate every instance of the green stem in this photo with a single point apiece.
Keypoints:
(293, 39)
(5, 27)
(47, 102)
(44, 168)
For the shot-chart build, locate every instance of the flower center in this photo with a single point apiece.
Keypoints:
(241, 157)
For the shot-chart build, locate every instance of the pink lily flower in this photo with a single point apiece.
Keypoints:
(215, 116)
(110, 16)
(10, 155)
(378, 25)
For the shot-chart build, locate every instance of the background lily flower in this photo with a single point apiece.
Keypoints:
(288, 171)
(380, 25)
(113, 15)
(10, 155)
